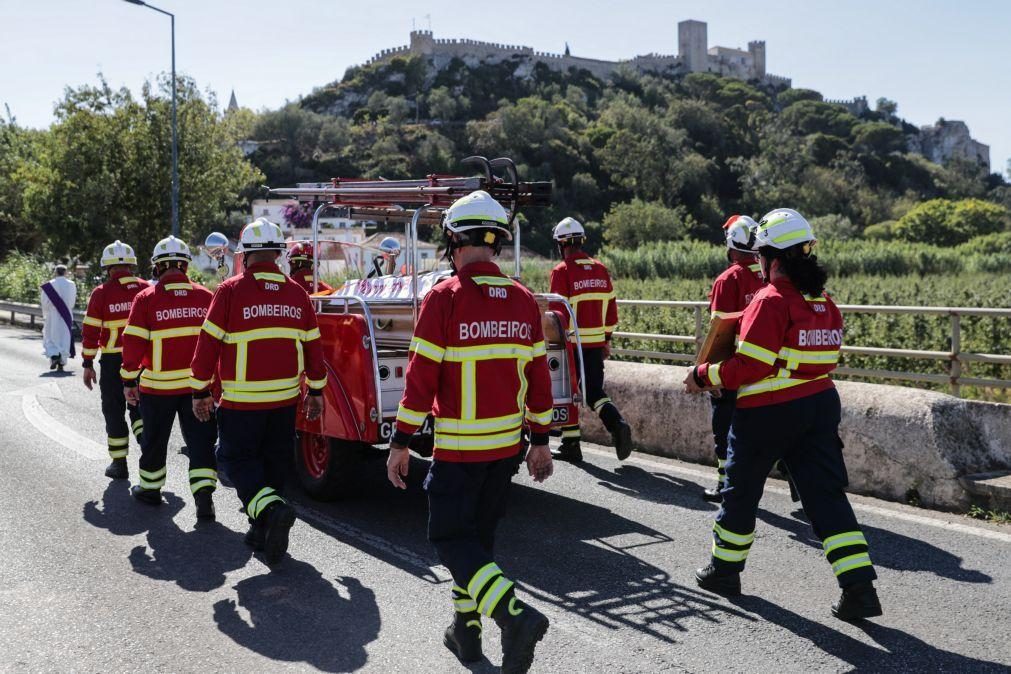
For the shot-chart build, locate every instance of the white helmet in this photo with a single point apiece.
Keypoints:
(171, 250)
(739, 231)
(783, 228)
(567, 229)
(118, 252)
(477, 210)
(261, 234)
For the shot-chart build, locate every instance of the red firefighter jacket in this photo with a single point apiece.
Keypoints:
(734, 289)
(259, 336)
(108, 309)
(161, 334)
(789, 344)
(304, 281)
(586, 283)
(478, 363)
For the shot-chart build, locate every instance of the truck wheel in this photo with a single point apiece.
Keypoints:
(326, 467)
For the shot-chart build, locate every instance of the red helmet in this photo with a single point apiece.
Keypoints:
(301, 252)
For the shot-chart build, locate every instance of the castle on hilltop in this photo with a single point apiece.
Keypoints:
(694, 56)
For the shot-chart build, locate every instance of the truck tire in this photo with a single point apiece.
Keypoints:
(326, 467)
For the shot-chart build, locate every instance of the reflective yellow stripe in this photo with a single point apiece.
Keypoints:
(265, 397)
(153, 479)
(128, 279)
(481, 578)
(521, 394)
(510, 422)
(166, 375)
(600, 403)
(540, 418)
(88, 353)
(590, 297)
(571, 432)
(178, 286)
(118, 453)
(213, 330)
(539, 349)
(795, 357)
(718, 314)
(197, 486)
(730, 555)
(315, 384)
(427, 349)
(463, 354)
(810, 298)
(137, 331)
(464, 604)
(119, 442)
(731, 537)
(269, 276)
(203, 472)
(169, 333)
(852, 562)
(114, 324)
(468, 389)
(842, 540)
(774, 383)
(586, 261)
(128, 374)
(269, 333)
(164, 385)
(713, 372)
(112, 349)
(759, 353)
(263, 498)
(492, 280)
(494, 595)
(95, 322)
(264, 385)
(409, 416)
(477, 442)
(199, 383)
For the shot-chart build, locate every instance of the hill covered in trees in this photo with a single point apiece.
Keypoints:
(646, 157)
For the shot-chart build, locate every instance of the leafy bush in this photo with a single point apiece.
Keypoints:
(943, 222)
(21, 275)
(632, 224)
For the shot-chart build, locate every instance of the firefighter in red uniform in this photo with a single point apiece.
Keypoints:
(478, 364)
(108, 309)
(158, 344)
(586, 283)
(732, 291)
(787, 410)
(259, 336)
(301, 261)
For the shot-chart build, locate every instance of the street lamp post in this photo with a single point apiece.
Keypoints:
(175, 135)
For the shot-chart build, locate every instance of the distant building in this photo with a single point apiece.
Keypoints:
(233, 104)
(694, 55)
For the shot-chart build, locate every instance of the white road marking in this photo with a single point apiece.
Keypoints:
(57, 432)
(857, 505)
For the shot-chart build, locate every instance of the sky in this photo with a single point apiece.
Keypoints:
(935, 59)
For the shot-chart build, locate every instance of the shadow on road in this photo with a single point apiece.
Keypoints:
(57, 374)
(631, 480)
(899, 652)
(195, 560)
(121, 515)
(297, 615)
(888, 549)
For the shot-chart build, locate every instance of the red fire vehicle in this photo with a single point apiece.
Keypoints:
(368, 322)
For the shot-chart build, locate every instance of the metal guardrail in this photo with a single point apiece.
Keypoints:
(955, 358)
(32, 311)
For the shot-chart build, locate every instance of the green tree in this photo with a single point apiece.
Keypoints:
(632, 224)
(943, 222)
(104, 169)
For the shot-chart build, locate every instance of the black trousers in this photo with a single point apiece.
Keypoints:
(114, 407)
(803, 434)
(465, 503)
(159, 412)
(255, 450)
(722, 416)
(596, 396)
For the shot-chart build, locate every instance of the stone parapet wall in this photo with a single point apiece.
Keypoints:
(899, 441)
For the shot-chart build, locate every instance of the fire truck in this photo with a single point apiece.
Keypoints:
(367, 323)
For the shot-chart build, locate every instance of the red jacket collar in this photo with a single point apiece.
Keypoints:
(576, 254)
(263, 266)
(173, 276)
(481, 269)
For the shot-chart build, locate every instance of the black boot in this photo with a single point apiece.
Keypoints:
(463, 636)
(569, 451)
(148, 496)
(204, 503)
(622, 438)
(53, 362)
(857, 602)
(117, 470)
(277, 522)
(522, 627)
(724, 583)
(713, 495)
(255, 535)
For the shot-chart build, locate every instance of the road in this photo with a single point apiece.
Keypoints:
(91, 581)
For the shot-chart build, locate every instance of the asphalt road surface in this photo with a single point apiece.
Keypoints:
(91, 581)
